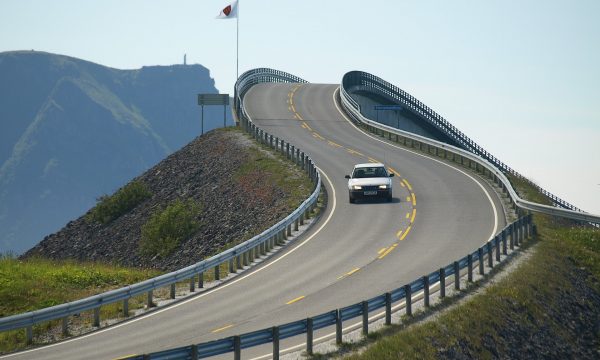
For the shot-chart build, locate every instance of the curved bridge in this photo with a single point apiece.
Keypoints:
(440, 213)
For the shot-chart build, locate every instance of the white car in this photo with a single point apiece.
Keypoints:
(370, 180)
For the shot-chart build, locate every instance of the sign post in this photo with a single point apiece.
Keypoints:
(213, 99)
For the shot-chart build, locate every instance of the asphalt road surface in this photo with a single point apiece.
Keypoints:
(356, 251)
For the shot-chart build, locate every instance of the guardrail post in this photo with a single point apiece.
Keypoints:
(231, 269)
(303, 162)
(365, 318)
(275, 342)
(456, 276)
(515, 230)
(497, 240)
(408, 299)
(194, 354)
(172, 294)
(426, 290)
(338, 327)
(149, 303)
(309, 336)
(297, 156)
(126, 307)
(245, 258)
(193, 283)
(65, 326)
(284, 233)
(489, 252)
(29, 335)
(388, 308)
(470, 268)
(480, 256)
(301, 218)
(200, 280)
(237, 348)
(271, 141)
(217, 272)
(238, 262)
(296, 224)
(97, 317)
(289, 230)
(504, 248)
(512, 238)
(442, 283)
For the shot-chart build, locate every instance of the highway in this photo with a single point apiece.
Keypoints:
(355, 252)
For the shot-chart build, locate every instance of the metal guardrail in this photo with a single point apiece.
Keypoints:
(243, 254)
(483, 257)
(511, 236)
(357, 80)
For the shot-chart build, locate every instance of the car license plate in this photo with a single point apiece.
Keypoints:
(370, 192)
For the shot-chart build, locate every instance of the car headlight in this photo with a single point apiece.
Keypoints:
(383, 187)
(356, 187)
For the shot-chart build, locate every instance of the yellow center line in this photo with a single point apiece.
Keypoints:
(381, 250)
(222, 329)
(295, 300)
(389, 250)
(408, 198)
(407, 215)
(333, 143)
(306, 126)
(352, 271)
(293, 108)
(407, 184)
(395, 172)
(399, 233)
(414, 213)
(125, 357)
(405, 233)
(402, 184)
(316, 134)
(373, 160)
(354, 152)
(414, 199)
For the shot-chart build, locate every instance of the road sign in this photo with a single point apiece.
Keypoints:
(388, 107)
(213, 99)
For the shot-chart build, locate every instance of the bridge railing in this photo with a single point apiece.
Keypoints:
(469, 151)
(482, 258)
(358, 80)
(237, 257)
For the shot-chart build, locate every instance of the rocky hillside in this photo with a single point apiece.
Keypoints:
(71, 130)
(223, 172)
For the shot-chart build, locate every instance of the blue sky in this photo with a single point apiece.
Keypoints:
(520, 78)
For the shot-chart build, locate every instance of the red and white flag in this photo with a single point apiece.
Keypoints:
(229, 12)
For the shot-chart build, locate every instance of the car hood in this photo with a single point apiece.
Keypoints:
(370, 182)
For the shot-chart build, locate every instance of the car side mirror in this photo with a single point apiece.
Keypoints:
(347, 176)
(391, 174)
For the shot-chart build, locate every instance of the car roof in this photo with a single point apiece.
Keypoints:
(368, 165)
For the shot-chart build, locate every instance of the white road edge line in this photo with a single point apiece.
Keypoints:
(355, 325)
(144, 317)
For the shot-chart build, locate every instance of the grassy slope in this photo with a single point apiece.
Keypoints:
(37, 283)
(547, 308)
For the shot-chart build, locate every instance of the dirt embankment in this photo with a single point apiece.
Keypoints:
(235, 206)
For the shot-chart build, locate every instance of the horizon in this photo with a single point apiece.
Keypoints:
(529, 70)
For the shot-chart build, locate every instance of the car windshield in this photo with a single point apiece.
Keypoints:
(369, 172)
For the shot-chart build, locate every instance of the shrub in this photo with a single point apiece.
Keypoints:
(165, 230)
(126, 198)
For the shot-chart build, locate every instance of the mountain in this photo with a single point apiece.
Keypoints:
(72, 130)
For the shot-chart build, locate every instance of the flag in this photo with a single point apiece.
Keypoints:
(229, 12)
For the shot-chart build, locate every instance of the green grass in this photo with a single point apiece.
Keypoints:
(522, 300)
(27, 285)
(126, 198)
(165, 229)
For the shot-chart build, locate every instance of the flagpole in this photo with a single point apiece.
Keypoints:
(237, 43)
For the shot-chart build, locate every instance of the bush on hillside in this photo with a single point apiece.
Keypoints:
(165, 230)
(126, 198)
